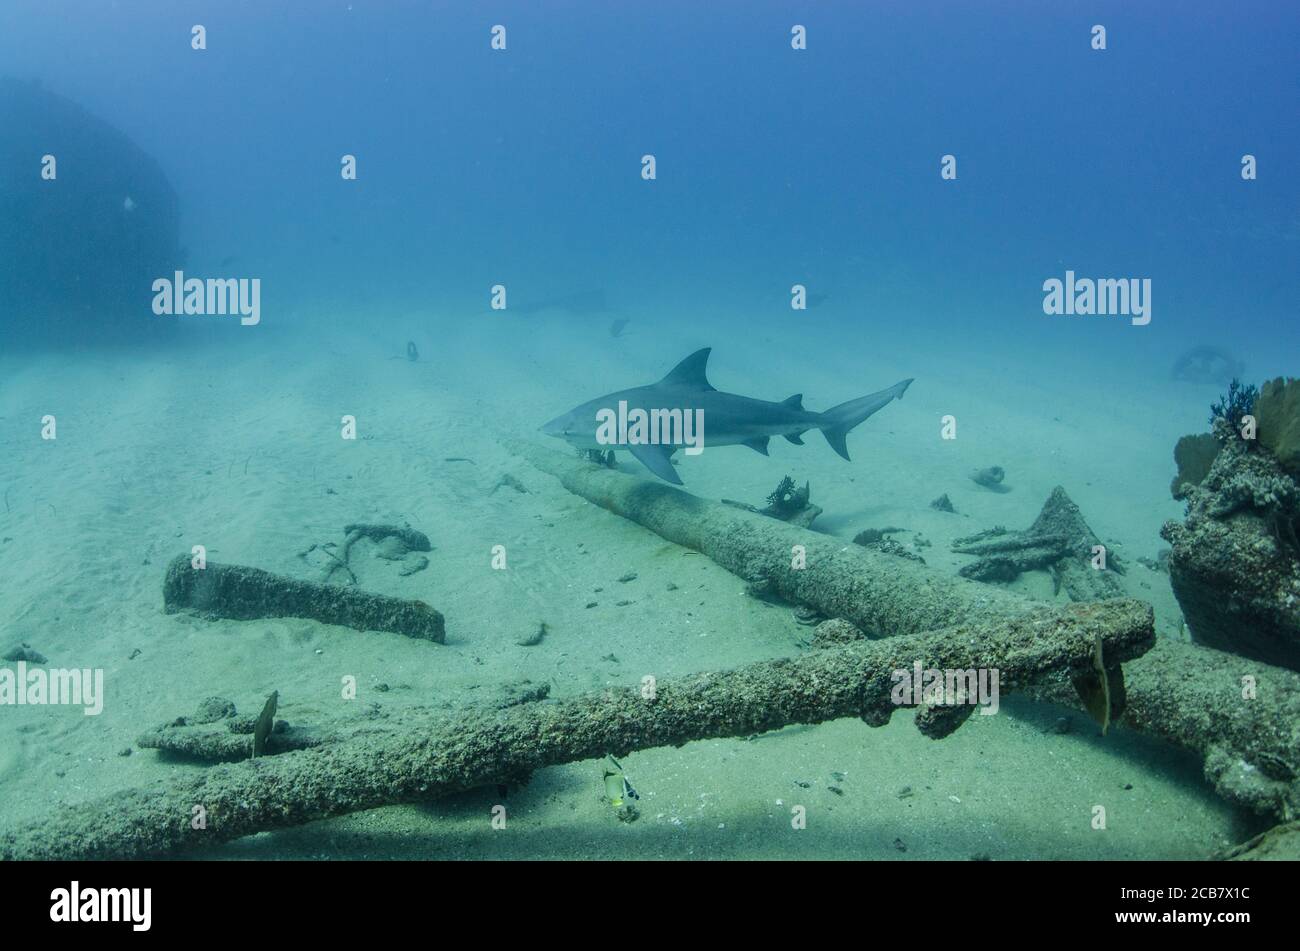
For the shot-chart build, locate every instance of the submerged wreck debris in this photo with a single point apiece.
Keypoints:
(806, 616)
(1186, 695)
(873, 536)
(879, 593)
(410, 538)
(224, 746)
(991, 478)
(427, 758)
(1235, 558)
(1206, 364)
(1197, 698)
(1193, 455)
(1282, 842)
(244, 594)
(943, 504)
(397, 543)
(786, 503)
(879, 540)
(835, 632)
(210, 711)
(1059, 541)
(215, 733)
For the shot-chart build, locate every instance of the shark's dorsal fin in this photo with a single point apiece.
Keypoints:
(794, 402)
(690, 372)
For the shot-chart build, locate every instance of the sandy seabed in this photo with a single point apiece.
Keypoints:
(236, 446)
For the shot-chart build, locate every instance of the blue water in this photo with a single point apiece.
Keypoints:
(774, 166)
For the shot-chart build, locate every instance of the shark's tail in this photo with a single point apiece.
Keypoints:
(840, 419)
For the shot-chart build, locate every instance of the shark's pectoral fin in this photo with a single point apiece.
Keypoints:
(658, 459)
(758, 445)
(796, 438)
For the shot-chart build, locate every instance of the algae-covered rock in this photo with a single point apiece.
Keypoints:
(1193, 455)
(834, 632)
(1235, 560)
(1277, 415)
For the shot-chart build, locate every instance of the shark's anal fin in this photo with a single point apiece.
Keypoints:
(795, 438)
(658, 459)
(758, 445)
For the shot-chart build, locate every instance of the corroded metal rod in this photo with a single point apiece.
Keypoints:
(243, 593)
(1192, 697)
(424, 758)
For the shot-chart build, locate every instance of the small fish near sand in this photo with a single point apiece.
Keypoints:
(684, 403)
(265, 724)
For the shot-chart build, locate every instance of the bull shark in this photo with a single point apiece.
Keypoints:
(685, 397)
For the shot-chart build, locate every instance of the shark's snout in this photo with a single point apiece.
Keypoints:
(558, 427)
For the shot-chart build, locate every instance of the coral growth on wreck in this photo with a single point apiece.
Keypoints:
(787, 499)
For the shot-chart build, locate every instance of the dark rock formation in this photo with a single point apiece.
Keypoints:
(1235, 560)
(80, 252)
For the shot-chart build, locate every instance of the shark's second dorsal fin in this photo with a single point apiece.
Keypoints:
(690, 372)
(794, 402)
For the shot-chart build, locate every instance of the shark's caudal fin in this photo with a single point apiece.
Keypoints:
(840, 419)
